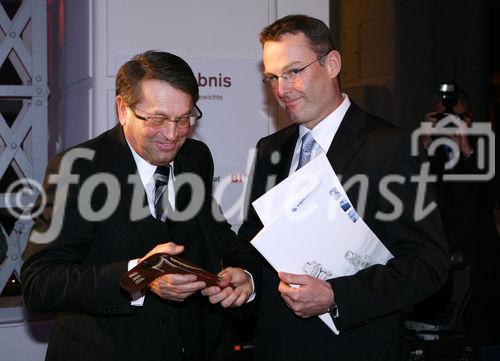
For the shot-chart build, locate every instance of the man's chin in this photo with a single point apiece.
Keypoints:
(295, 118)
(163, 159)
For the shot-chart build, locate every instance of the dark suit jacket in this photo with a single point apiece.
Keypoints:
(368, 301)
(79, 271)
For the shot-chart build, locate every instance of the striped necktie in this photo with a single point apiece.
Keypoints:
(161, 177)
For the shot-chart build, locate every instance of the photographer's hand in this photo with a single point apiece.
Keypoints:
(461, 138)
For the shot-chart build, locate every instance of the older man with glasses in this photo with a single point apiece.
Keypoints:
(154, 173)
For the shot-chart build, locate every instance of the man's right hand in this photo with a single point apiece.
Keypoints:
(173, 287)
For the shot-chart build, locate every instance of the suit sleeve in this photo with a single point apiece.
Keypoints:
(416, 240)
(229, 249)
(252, 223)
(56, 276)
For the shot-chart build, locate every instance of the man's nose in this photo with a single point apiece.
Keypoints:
(169, 130)
(282, 87)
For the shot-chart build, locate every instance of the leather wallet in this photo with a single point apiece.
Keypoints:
(160, 264)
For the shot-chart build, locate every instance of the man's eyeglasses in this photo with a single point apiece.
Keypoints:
(182, 122)
(290, 76)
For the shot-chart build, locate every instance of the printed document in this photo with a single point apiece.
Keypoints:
(311, 227)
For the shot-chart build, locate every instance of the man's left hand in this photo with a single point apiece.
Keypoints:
(225, 294)
(312, 296)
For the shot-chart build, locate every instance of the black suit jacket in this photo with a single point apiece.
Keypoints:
(368, 301)
(78, 271)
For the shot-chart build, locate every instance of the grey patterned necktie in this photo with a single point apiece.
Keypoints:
(161, 176)
(305, 149)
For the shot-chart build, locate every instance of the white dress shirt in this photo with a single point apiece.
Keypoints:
(322, 133)
(146, 172)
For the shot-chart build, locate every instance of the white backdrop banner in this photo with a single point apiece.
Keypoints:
(235, 117)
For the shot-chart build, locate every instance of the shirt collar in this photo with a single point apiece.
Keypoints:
(146, 169)
(325, 130)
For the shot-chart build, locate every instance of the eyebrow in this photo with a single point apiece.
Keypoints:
(163, 115)
(288, 67)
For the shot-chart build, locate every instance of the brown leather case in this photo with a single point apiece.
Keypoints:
(160, 264)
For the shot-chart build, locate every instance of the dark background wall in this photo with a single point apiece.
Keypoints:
(395, 53)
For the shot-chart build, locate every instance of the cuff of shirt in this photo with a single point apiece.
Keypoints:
(252, 296)
(137, 297)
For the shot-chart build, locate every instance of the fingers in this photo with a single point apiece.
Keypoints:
(293, 279)
(297, 304)
(307, 296)
(210, 291)
(234, 288)
(288, 300)
(292, 299)
(225, 277)
(176, 287)
(170, 248)
(221, 296)
(229, 297)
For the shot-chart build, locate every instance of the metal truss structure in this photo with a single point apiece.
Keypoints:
(23, 126)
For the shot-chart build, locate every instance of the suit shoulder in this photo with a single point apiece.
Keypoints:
(379, 125)
(195, 152)
(106, 145)
(274, 141)
(384, 132)
(280, 134)
(196, 145)
(101, 142)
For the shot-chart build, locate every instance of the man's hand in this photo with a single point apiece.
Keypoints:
(312, 296)
(169, 248)
(176, 287)
(226, 295)
(460, 137)
(173, 287)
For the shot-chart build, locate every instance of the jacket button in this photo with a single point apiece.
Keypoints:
(163, 319)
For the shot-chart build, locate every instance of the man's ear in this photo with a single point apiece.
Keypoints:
(334, 63)
(121, 110)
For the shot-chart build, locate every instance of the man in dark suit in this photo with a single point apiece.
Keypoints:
(107, 207)
(301, 66)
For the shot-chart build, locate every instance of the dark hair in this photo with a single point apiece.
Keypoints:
(154, 65)
(316, 32)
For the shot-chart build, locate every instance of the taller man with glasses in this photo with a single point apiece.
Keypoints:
(301, 68)
(140, 188)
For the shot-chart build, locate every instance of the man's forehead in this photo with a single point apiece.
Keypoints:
(287, 42)
(288, 51)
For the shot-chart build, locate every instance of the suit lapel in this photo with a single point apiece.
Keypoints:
(182, 165)
(347, 140)
(123, 163)
(150, 227)
(344, 147)
(285, 150)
